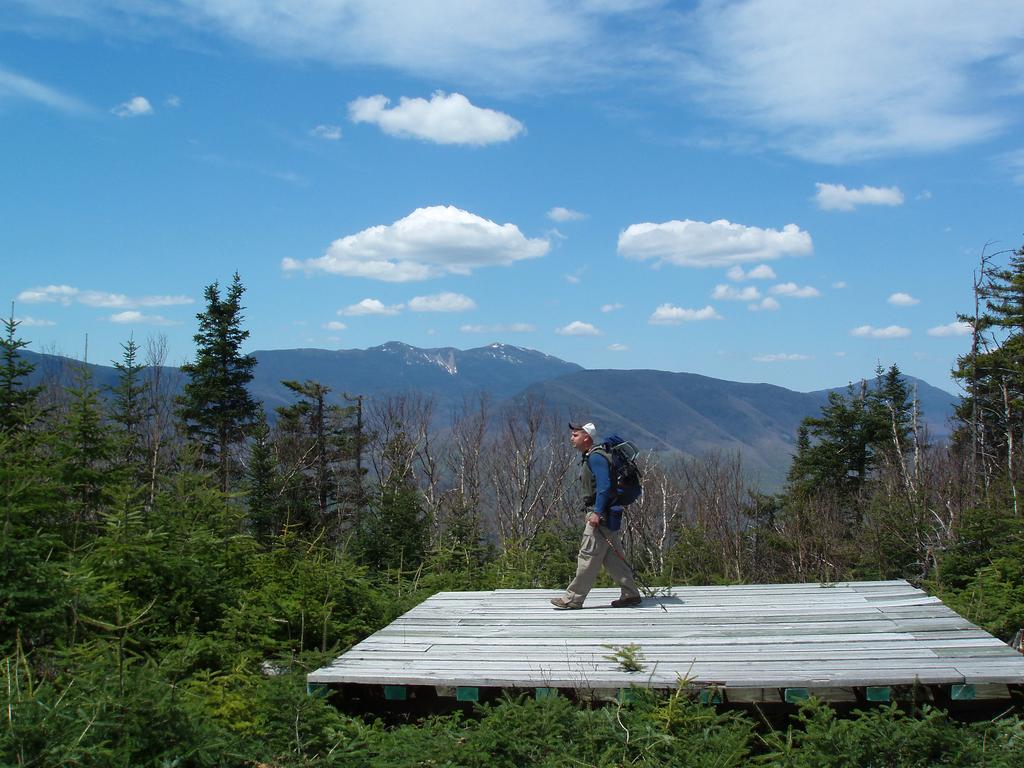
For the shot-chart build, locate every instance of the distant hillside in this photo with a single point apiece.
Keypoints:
(446, 373)
(662, 411)
(695, 414)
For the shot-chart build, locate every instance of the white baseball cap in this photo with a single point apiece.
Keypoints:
(589, 428)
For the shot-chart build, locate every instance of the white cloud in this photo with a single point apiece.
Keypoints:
(133, 316)
(760, 272)
(767, 304)
(499, 328)
(442, 302)
(329, 132)
(836, 197)
(611, 307)
(117, 300)
(334, 325)
(669, 314)
(781, 357)
(617, 347)
(901, 299)
(558, 213)
(951, 329)
(15, 86)
(795, 291)
(33, 322)
(710, 244)
(839, 82)
(370, 307)
(137, 106)
(578, 328)
(429, 242)
(173, 101)
(833, 82)
(889, 332)
(445, 119)
(730, 293)
(49, 293)
(66, 294)
(840, 284)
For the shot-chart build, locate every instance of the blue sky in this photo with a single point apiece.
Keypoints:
(787, 192)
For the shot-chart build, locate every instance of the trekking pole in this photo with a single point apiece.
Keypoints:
(648, 592)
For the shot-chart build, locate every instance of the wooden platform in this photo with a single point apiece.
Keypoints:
(740, 640)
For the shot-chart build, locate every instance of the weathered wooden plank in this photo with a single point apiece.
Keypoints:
(747, 637)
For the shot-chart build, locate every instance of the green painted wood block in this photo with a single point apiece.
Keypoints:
(878, 693)
(317, 690)
(395, 693)
(545, 693)
(710, 696)
(795, 695)
(467, 693)
(962, 692)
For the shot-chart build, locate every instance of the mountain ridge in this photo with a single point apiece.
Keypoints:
(668, 412)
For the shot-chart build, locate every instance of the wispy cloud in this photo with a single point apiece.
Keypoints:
(836, 83)
(951, 329)
(134, 317)
(560, 214)
(329, 132)
(15, 86)
(137, 106)
(34, 322)
(731, 293)
(611, 307)
(334, 325)
(617, 347)
(67, 294)
(760, 272)
(578, 328)
(710, 244)
(442, 302)
(901, 299)
(669, 314)
(499, 328)
(767, 304)
(889, 332)
(795, 291)
(429, 242)
(781, 357)
(370, 307)
(445, 119)
(836, 197)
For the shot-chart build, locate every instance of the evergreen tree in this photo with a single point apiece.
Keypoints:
(85, 450)
(264, 494)
(15, 397)
(129, 405)
(216, 406)
(839, 450)
(992, 411)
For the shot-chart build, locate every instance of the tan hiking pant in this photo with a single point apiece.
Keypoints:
(594, 553)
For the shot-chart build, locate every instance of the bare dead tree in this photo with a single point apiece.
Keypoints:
(655, 519)
(526, 470)
(463, 463)
(158, 429)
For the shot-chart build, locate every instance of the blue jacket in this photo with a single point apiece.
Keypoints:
(599, 486)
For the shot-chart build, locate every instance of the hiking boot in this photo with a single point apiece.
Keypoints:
(562, 604)
(625, 602)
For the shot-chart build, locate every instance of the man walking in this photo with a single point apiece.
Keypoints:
(602, 539)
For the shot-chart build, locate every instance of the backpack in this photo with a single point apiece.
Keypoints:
(624, 471)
